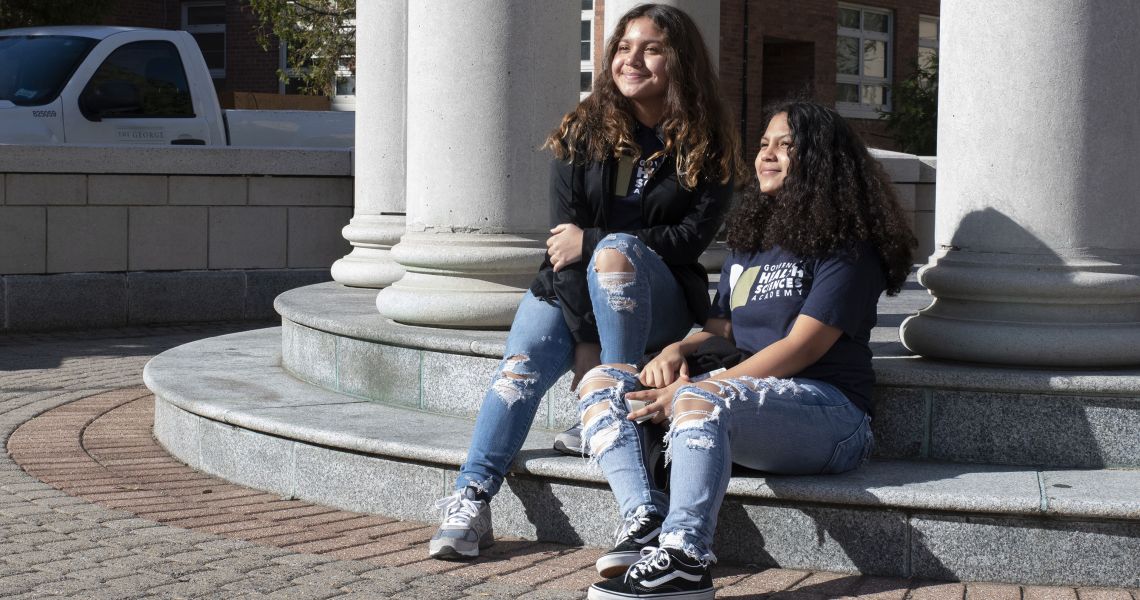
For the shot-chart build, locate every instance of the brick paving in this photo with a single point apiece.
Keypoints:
(92, 507)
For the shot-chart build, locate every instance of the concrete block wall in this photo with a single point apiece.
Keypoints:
(110, 236)
(914, 178)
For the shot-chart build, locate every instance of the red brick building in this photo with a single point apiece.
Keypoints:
(772, 49)
(840, 53)
(226, 31)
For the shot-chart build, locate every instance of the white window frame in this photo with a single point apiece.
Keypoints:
(214, 28)
(860, 110)
(926, 43)
(587, 66)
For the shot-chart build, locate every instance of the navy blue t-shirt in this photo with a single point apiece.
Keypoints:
(762, 293)
(625, 211)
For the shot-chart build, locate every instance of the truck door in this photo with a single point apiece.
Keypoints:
(138, 95)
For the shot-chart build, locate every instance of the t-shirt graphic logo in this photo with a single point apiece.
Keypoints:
(779, 281)
(740, 280)
(645, 170)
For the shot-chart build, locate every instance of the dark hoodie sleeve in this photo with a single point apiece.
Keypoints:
(569, 285)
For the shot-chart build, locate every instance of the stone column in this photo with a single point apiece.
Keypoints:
(706, 14)
(1038, 251)
(487, 81)
(378, 220)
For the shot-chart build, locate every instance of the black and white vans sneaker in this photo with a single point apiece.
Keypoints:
(639, 531)
(661, 573)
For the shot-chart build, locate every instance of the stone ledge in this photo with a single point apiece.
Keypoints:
(355, 316)
(175, 160)
(237, 380)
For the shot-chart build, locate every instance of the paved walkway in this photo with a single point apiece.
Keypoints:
(91, 507)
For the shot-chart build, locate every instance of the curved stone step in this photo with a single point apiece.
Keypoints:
(334, 338)
(226, 406)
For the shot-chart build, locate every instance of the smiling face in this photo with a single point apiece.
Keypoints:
(774, 159)
(638, 68)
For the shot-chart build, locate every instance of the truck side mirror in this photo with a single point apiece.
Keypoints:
(109, 98)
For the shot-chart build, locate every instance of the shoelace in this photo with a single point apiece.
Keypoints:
(638, 520)
(652, 559)
(457, 510)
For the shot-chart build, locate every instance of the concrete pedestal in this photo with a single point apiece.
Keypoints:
(1037, 259)
(482, 96)
(378, 220)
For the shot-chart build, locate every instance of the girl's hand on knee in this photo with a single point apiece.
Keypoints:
(658, 401)
(564, 245)
(665, 368)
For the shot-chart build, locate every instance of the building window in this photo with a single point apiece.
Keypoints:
(863, 61)
(206, 21)
(927, 40)
(587, 48)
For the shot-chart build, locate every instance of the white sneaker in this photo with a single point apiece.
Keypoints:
(570, 441)
(466, 526)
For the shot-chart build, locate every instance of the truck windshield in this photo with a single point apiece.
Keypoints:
(34, 68)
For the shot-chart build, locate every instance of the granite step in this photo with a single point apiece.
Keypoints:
(227, 406)
(334, 338)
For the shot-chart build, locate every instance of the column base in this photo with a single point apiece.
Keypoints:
(370, 264)
(1032, 310)
(460, 280)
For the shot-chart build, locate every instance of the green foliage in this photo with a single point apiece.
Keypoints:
(913, 122)
(30, 13)
(318, 34)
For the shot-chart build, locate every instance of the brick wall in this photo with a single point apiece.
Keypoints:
(796, 40)
(248, 67)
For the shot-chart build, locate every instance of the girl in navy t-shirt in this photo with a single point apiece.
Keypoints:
(814, 244)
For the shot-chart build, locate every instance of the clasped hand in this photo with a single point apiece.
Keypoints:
(564, 246)
(663, 375)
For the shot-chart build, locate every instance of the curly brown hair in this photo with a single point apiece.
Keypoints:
(834, 195)
(697, 126)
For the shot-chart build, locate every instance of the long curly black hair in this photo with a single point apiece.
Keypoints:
(834, 195)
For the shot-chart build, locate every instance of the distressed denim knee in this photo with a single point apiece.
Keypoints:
(696, 416)
(614, 268)
(602, 408)
(516, 377)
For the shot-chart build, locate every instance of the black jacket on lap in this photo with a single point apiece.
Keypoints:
(680, 225)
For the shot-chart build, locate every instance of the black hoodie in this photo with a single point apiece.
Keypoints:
(680, 225)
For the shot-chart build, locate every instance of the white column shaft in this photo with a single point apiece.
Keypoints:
(380, 153)
(1038, 260)
(487, 81)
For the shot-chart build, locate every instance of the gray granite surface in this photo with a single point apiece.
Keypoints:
(901, 419)
(1055, 430)
(836, 539)
(186, 296)
(240, 385)
(263, 285)
(1043, 552)
(65, 301)
(1096, 493)
(351, 312)
(228, 404)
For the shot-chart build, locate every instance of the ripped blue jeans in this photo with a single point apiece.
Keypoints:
(781, 426)
(636, 310)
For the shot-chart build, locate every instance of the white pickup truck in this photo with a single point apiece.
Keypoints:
(117, 85)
